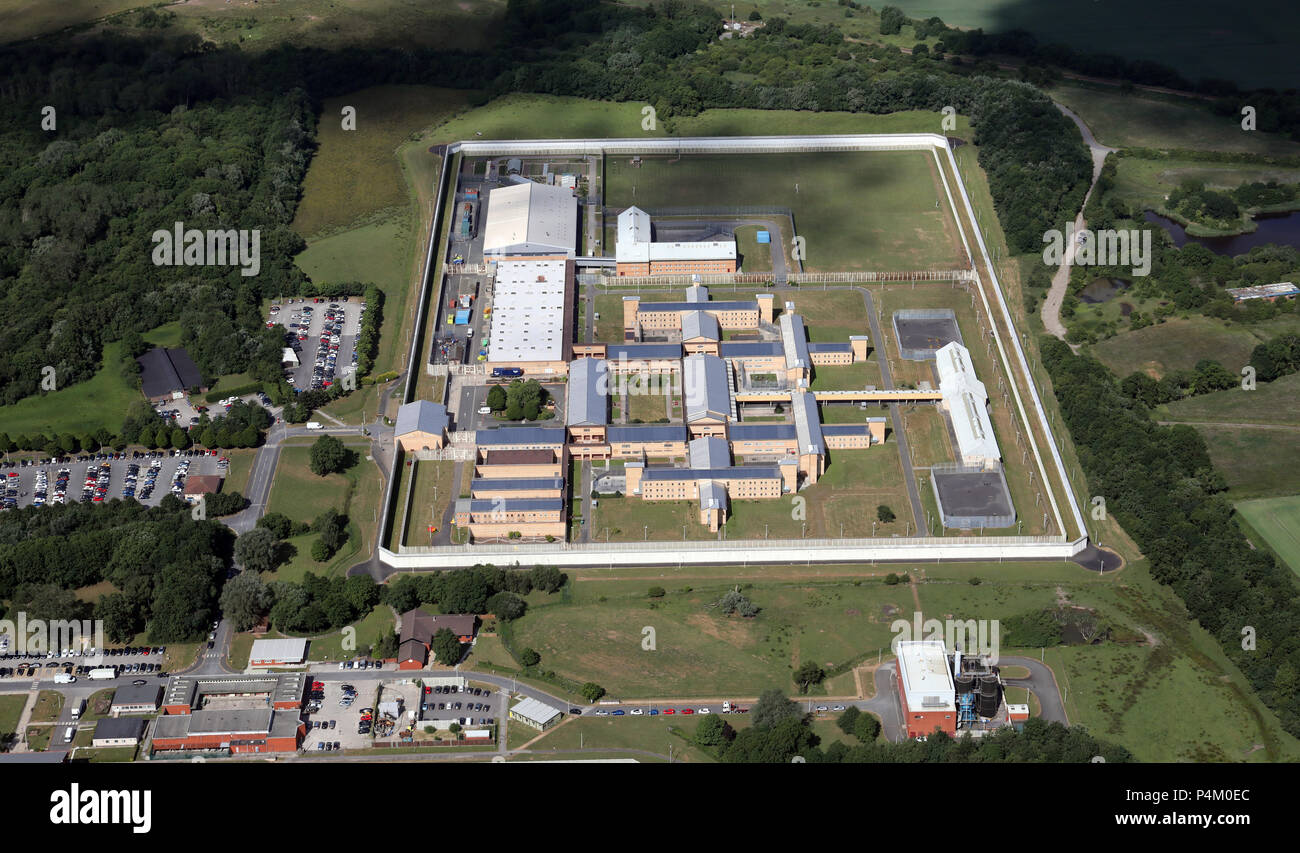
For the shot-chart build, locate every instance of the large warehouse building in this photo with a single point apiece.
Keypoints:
(636, 253)
(532, 326)
(966, 400)
(531, 221)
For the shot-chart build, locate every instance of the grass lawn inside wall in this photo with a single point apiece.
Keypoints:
(301, 495)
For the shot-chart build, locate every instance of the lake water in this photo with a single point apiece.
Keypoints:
(1280, 228)
(1103, 290)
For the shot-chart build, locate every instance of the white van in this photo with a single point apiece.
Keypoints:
(485, 410)
(69, 734)
(64, 678)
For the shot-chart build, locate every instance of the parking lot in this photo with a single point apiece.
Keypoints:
(471, 705)
(335, 710)
(323, 334)
(96, 478)
(134, 661)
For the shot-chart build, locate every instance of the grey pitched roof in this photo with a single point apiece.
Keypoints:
(693, 306)
(421, 416)
(120, 727)
(515, 484)
(795, 341)
(545, 436)
(477, 505)
(830, 346)
(844, 429)
(646, 432)
(704, 378)
(588, 390)
(761, 432)
(633, 352)
(698, 324)
(165, 370)
(713, 495)
(807, 423)
(709, 452)
(142, 694)
(730, 472)
(749, 348)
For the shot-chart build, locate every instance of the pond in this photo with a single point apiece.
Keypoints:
(1280, 228)
(1101, 290)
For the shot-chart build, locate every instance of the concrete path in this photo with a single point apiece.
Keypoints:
(1061, 279)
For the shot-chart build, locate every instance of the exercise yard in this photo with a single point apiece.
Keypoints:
(878, 210)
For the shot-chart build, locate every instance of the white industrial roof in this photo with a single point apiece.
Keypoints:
(528, 311)
(794, 341)
(288, 651)
(538, 712)
(927, 681)
(967, 402)
(531, 218)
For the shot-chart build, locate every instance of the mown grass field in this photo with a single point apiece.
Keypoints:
(902, 229)
(1277, 520)
(324, 647)
(23, 19)
(1148, 121)
(525, 116)
(1276, 402)
(301, 495)
(433, 489)
(754, 256)
(11, 710)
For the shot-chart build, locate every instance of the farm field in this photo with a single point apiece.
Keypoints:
(1148, 121)
(1277, 520)
(903, 228)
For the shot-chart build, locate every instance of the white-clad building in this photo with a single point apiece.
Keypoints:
(537, 714)
(636, 253)
(966, 400)
(529, 318)
(929, 697)
(283, 652)
(530, 219)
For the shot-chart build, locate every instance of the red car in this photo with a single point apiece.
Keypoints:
(669, 711)
(688, 710)
(428, 690)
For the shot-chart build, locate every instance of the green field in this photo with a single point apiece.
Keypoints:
(1176, 344)
(1141, 121)
(301, 495)
(1276, 402)
(325, 647)
(1277, 520)
(523, 116)
(433, 490)
(754, 256)
(22, 19)
(903, 228)
(11, 710)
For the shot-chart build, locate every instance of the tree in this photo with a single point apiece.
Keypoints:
(548, 579)
(657, 592)
(772, 707)
(496, 398)
(848, 719)
(866, 728)
(257, 550)
(807, 675)
(245, 599)
(891, 20)
(884, 514)
(320, 552)
(592, 692)
(328, 456)
(711, 731)
(180, 438)
(530, 657)
(446, 647)
(506, 606)
(454, 728)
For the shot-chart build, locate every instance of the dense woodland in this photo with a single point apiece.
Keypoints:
(1159, 485)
